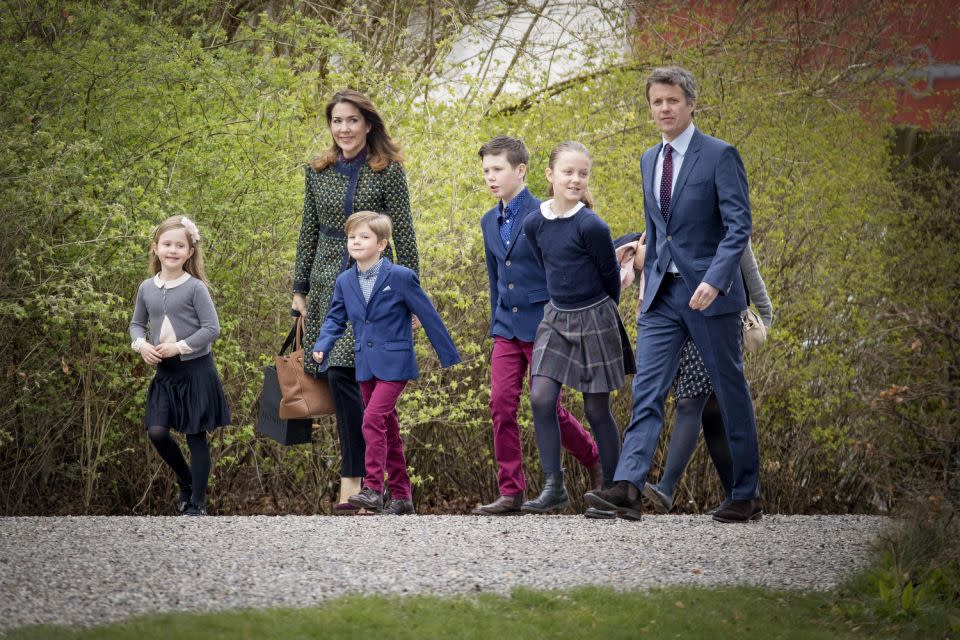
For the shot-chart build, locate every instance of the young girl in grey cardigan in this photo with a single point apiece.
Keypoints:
(175, 308)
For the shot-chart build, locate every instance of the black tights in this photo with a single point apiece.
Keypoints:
(198, 473)
(543, 400)
(683, 442)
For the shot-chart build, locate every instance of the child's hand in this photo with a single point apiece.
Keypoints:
(149, 353)
(318, 356)
(167, 350)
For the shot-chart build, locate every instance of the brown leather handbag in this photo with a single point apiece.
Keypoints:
(301, 394)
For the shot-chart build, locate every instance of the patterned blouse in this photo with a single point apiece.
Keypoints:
(330, 196)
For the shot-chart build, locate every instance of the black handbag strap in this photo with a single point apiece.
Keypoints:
(291, 337)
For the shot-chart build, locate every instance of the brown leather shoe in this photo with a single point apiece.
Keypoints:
(502, 506)
(596, 477)
(623, 497)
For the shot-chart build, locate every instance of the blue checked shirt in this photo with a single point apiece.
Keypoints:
(368, 278)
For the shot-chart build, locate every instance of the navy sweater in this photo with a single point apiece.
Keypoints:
(578, 257)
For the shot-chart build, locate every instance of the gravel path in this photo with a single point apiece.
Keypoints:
(88, 570)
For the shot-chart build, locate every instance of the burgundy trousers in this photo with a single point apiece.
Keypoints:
(381, 434)
(509, 365)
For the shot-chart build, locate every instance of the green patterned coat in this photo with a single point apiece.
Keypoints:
(322, 248)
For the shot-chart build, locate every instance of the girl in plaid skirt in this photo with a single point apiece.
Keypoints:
(581, 341)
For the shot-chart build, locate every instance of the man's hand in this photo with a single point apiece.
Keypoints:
(318, 356)
(704, 296)
(149, 353)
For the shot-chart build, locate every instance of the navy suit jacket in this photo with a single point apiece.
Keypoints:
(382, 331)
(710, 223)
(518, 285)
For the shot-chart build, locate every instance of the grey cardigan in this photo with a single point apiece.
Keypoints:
(756, 289)
(187, 306)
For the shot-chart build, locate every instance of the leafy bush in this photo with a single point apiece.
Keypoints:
(115, 118)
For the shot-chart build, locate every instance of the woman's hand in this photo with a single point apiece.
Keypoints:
(149, 354)
(415, 323)
(318, 356)
(299, 304)
(167, 350)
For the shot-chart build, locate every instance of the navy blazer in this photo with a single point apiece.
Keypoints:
(710, 223)
(518, 285)
(382, 331)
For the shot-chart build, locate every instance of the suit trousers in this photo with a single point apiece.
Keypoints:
(381, 433)
(509, 365)
(661, 333)
(348, 407)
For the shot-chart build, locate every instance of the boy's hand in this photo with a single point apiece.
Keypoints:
(318, 356)
(149, 353)
(167, 350)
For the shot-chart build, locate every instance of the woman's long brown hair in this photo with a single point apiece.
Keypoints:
(381, 148)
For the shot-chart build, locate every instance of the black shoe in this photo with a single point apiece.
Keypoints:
(623, 498)
(194, 510)
(398, 507)
(723, 505)
(183, 500)
(740, 511)
(367, 499)
(599, 514)
(554, 495)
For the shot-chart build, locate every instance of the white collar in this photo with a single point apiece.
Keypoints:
(682, 141)
(170, 284)
(548, 213)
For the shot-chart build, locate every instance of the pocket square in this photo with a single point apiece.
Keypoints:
(386, 288)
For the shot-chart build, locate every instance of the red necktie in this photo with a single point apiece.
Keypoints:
(666, 182)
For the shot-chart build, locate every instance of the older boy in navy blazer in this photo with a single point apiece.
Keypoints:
(379, 299)
(518, 292)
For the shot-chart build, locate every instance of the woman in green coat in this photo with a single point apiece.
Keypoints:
(361, 171)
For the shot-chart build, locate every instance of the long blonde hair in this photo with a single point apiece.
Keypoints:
(570, 145)
(381, 147)
(194, 264)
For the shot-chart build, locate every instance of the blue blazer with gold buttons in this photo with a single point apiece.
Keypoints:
(382, 331)
(518, 285)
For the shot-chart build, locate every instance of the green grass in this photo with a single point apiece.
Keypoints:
(686, 613)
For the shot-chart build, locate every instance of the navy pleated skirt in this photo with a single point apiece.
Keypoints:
(187, 396)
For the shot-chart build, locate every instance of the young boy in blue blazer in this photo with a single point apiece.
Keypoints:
(379, 299)
(518, 292)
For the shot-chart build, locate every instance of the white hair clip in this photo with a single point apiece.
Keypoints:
(191, 228)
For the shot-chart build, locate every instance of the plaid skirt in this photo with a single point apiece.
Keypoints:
(691, 380)
(587, 349)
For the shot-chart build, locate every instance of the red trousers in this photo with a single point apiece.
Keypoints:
(381, 434)
(509, 365)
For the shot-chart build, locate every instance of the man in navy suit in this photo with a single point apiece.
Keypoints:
(518, 292)
(698, 222)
